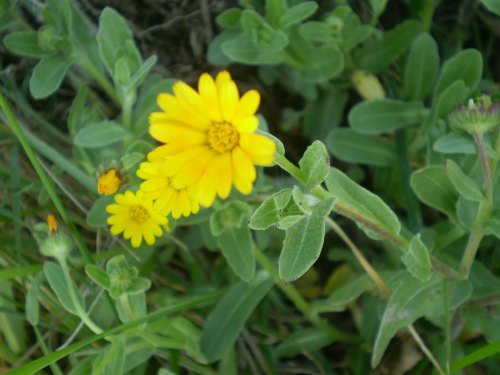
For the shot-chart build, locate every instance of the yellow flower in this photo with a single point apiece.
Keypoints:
(52, 223)
(135, 216)
(158, 186)
(109, 181)
(209, 139)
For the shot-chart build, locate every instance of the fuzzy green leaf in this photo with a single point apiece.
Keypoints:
(315, 164)
(421, 67)
(230, 215)
(298, 13)
(350, 146)
(48, 75)
(59, 285)
(303, 242)
(236, 245)
(98, 275)
(270, 211)
(24, 43)
(383, 115)
(417, 259)
(100, 134)
(465, 185)
(432, 186)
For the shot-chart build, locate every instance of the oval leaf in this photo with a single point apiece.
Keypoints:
(100, 134)
(237, 247)
(382, 115)
(421, 67)
(48, 75)
(315, 164)
(417, 259)
(350, 146)
(465, 185)
(303, 242)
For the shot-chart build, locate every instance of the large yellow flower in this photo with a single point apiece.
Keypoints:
(209, 139)
(135, 216)
(168, 199)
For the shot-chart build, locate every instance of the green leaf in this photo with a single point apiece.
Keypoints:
(343, 296)
(362, 201)
(237, 247)
(140, 75)
(230, 215)
(269, 212)
(229, 19)
(112, 360)
(433, 187)
(421, 67)
(481, 320)
(55, 276)
(455, 143)
(466, 65)
(465, 185)
(32, 307)
(48, 75)
(297, 13)
(383, 115)
(411, 300)
(417, 259)
(306, 340)
(11, 326)
(315, 164)
(493, 224)
(455, 93)
(378, 7)
(316, 31)
(97, 215)
(244, 50)
(350, 146)
(98, 276)
(24, 43)
(377, 55)
(492, 6)
(100, 134)
(115, 40)
(303, 242)
(227, 319)
(322, 63)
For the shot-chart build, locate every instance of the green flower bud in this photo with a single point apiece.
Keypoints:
(477, 117)
(57, 245)
(124, 279)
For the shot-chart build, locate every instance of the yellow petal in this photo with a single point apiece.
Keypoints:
(259, 149)
(248, 104)
(174, 165)
(229, 98)
(247, 124)
(244, 173)
(225, 175)
(192, 170)
(191, 102)
(209, 97)
(171, 131)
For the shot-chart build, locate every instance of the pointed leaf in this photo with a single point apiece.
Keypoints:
(32, 306)
(227, 319)
(100, 134)
(315, 164)
(48, 75)
(98, 275)
(55, 276)
(417, 259)
(421, 67)
(270, 211)
(382, 115)
(237, 247)
(433, 187)
(303, 242)
(465, 185)
(350, 146)
(24, 43)
(362, 201)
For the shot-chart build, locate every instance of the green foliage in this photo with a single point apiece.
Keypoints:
(252, 284)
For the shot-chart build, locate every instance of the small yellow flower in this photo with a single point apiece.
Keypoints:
(209, 137)
(109, 181)
(52, 223)
(168, 199)
(135, 216)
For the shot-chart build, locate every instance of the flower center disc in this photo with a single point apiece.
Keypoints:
(139, 214)
(222, 137)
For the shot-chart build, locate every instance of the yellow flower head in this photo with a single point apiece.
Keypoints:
(135, 216)
(209, 137)
(158, 186)
(52, 223)
(109, 181)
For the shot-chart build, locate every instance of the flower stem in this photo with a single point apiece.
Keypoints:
(372, 273)
(488, 181)
(288, 166)
(299, 302)
(80, 310)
